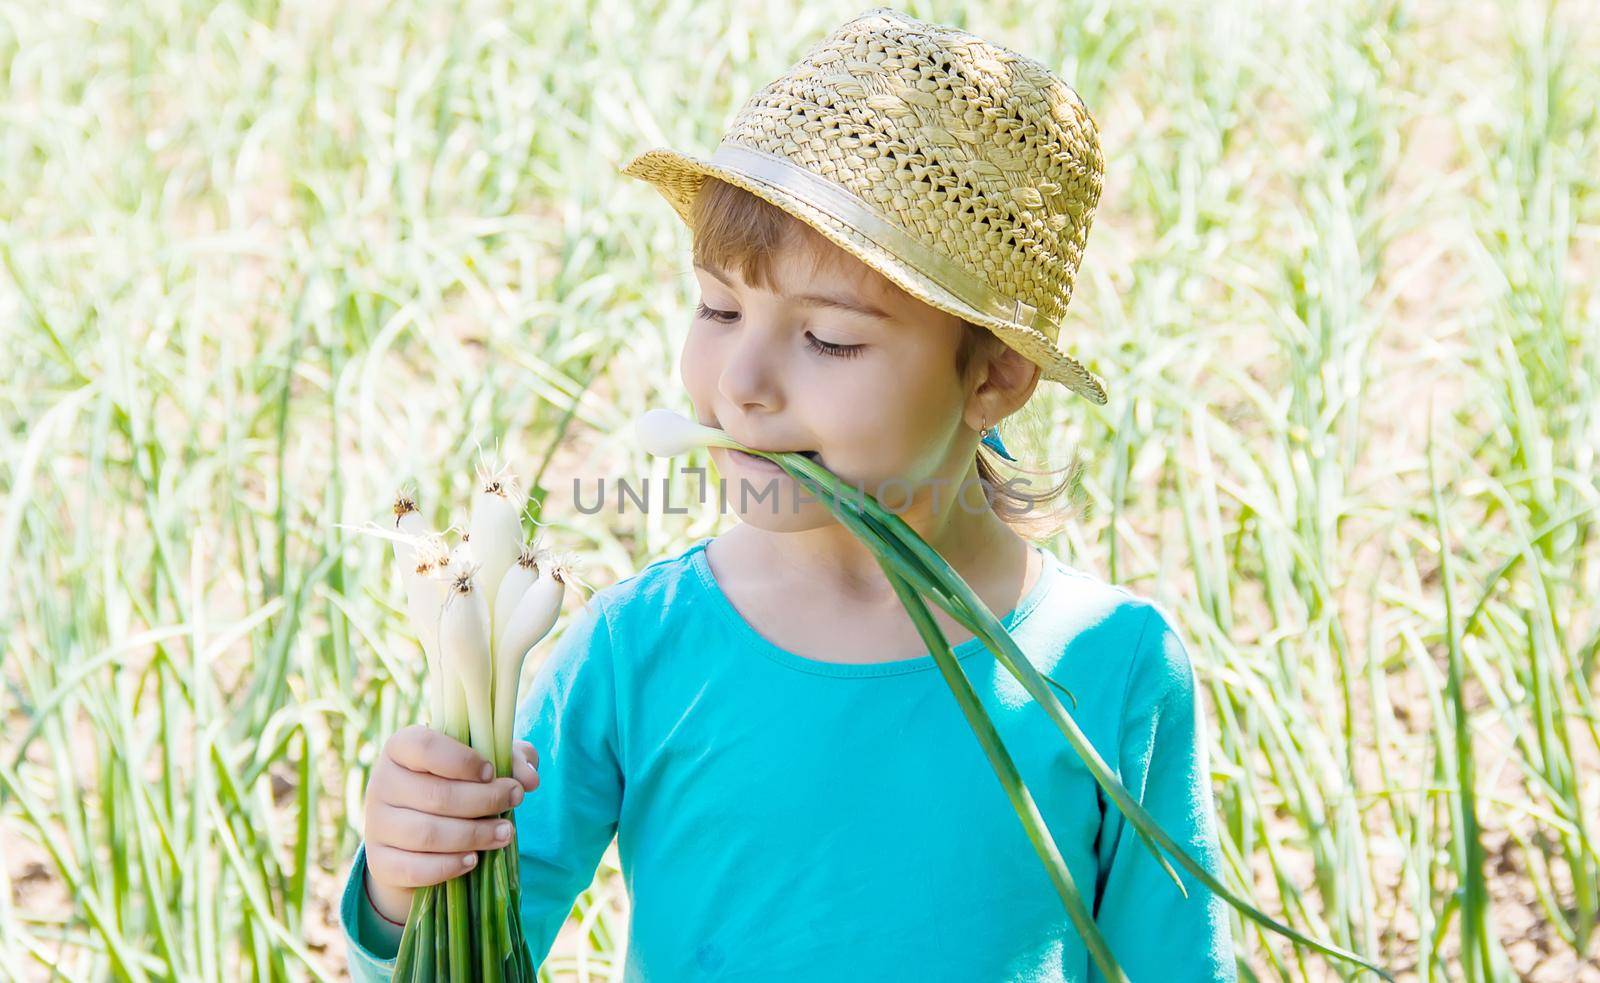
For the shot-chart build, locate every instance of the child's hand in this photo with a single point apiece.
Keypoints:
(430, 807)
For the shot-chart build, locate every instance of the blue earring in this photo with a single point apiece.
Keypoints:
(991, 440)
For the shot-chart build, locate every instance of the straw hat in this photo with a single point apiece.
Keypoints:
(965, 173)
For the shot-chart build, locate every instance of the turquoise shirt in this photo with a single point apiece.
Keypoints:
(780, 818)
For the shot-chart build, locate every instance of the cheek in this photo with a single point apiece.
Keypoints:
(917, 436)
(697, 364)
(887, 430)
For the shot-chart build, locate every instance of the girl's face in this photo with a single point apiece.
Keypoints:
(833, 359)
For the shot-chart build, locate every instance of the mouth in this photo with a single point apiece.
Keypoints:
(815, 456)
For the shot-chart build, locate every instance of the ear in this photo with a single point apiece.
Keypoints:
(1004, 381)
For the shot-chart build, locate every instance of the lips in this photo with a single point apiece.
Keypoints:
(815, 456)
(758, 459)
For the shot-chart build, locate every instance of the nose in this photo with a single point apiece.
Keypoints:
(750, 377)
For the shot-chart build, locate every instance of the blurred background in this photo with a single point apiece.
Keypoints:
(260, 262)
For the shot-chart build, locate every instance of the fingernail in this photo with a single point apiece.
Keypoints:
(516, 796)
(486, 772)
(469, 860)
(503, 831)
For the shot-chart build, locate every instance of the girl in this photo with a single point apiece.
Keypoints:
(884, 242)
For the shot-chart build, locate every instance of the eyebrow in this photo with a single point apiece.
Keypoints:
(819, 300)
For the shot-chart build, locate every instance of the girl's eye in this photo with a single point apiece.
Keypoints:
(812, 341)
(828, 348)
(722, 317)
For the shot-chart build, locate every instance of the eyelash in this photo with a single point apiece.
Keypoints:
(812, 342)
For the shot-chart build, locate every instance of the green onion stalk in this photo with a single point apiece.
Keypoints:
(918, 575)
(477, 608)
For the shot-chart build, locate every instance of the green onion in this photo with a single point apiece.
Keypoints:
(478, 609)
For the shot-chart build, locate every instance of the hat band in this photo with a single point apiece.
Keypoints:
(822, 194)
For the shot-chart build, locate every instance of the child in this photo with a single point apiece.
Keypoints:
(885, 242)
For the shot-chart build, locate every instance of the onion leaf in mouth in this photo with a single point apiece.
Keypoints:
(1000, 759)
(917, 571)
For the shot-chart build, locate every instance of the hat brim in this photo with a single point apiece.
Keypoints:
(678, 177)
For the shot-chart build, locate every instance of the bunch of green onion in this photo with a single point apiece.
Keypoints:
(477, 608)
(918, 575)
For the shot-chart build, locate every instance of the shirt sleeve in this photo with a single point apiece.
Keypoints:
(1153, 930)
(569, 715)
(370, 947)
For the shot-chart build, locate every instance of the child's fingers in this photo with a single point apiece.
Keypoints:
(423, 749)
(445, 797)
(406, 868)
(419, 832)
(522, 769)
(533, 753)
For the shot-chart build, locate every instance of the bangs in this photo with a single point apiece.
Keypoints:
(737, 231)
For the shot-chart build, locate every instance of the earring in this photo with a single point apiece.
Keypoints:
(991, 439)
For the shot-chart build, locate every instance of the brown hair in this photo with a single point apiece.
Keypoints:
(737, 231)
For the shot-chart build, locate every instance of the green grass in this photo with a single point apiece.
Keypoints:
(258, 263)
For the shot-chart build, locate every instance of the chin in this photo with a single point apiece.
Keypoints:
(777, 510)
(773, 503)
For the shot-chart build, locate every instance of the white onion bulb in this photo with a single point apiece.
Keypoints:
(464, 654)
(535, 614)
(665, 433)
(496, 534)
